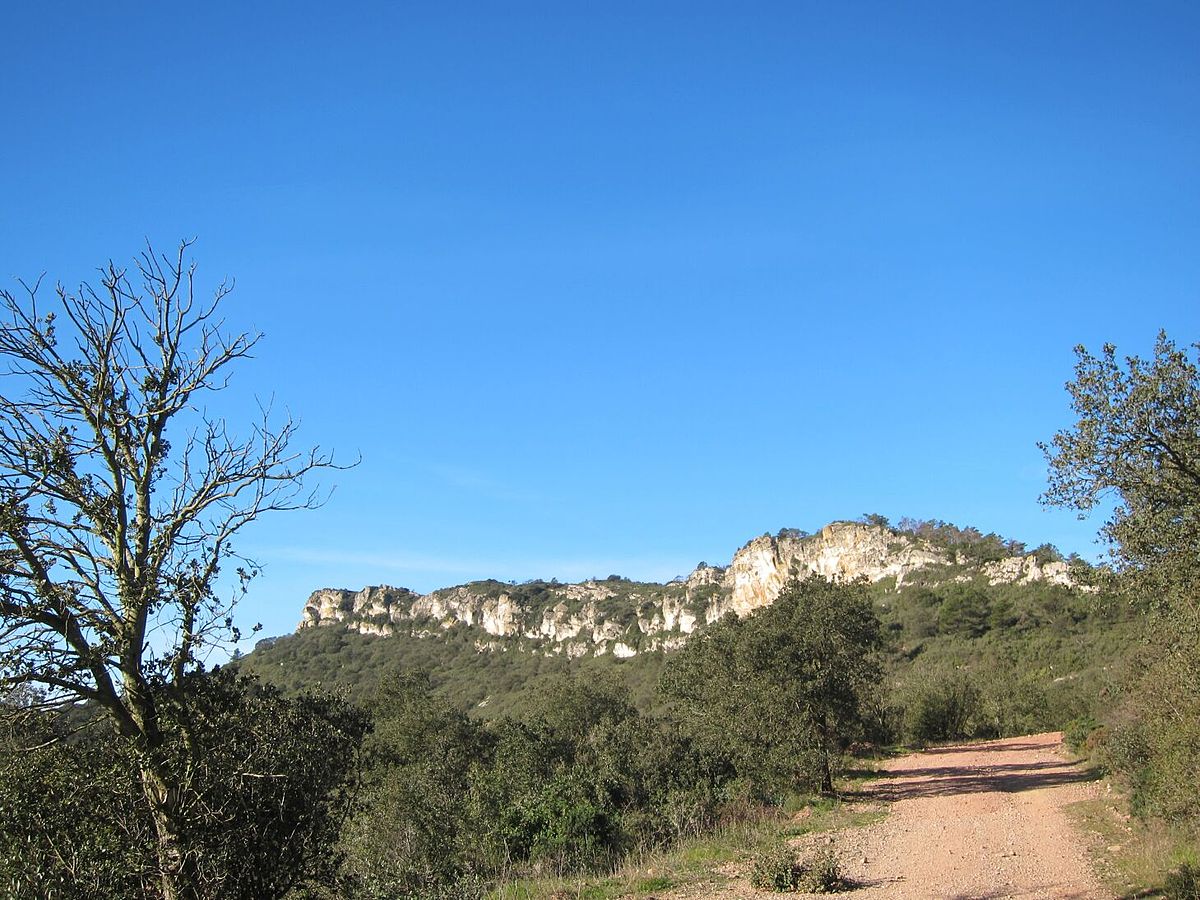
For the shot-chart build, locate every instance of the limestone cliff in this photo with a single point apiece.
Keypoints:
(840, 551)
(624, 617)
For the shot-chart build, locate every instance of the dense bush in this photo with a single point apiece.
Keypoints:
(1152, 738)
(782, 693)
(408, 834)
(264, 781)
(1183, 883)
(72, 826)
(823, 874)
(776, 869)
(583, 778)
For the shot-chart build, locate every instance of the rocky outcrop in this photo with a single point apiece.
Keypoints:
(376, 606)
(1026, 569)
(624, 618)
(840, 551)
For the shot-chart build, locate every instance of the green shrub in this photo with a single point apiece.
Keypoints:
(782, 693)
(821, 874)
(965, 611)
(1078, 731)
(1152, 738)
(1183, 883)
(262, 813)
(776, 869)
(941, 705)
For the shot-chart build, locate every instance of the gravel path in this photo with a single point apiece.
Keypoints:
(975, 821)
(971, 822)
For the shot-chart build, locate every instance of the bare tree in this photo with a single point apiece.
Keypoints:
(120, 493)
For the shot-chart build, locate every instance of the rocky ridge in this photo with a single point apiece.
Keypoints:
(624, 618)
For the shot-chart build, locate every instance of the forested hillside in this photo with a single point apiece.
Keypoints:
(1032, 654)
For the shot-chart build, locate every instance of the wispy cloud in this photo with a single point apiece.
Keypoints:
(483, 484)
(373, 559)
(451, 568)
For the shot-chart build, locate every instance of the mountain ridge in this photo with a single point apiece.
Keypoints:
(623, 618)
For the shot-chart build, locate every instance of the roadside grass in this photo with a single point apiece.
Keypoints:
(1133, 857)
(709, 860)
(646, 873)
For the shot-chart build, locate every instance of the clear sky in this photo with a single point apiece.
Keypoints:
(614, 287)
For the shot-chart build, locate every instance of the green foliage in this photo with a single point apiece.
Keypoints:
(408, 834)
(776, 869)
(823, 875)
(272, 786)
(940, 704)
(579, 780)
(1047, 655)
(566, 710)
(488, 685)
(1137, 441)
(969, 543)
(781, 693)
(545, 798)
(1183, 883)
(965, 610)
(72, 823)
(583, 778)
(1078, 733)
(267, 783)
(1153, 738)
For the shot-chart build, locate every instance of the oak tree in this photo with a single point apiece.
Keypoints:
(120, 494)
(782, 693)
(1136, 446)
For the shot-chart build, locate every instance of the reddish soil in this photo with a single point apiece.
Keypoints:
(969, 822)
(975, 821)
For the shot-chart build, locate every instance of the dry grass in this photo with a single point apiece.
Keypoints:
(1131, 856)
(710, 859)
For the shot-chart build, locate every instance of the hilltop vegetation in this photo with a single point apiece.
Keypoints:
(1065, 643)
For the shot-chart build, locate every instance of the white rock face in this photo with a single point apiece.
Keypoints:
(575, 622)
(841, 551)
(334, 605)
(623, 651)
(676, 616)
(1024, 569)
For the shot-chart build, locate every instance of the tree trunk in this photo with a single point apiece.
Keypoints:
(826, 768)
(171, 855)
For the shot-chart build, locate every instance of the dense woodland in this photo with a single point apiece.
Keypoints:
(328, 764)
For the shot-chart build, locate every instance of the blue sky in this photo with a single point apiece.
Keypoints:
(601, 288)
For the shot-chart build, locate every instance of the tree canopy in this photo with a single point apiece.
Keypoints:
(782, 692)
(1136, 443)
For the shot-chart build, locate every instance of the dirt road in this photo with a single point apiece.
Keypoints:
(972, 822)
(975, 821)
